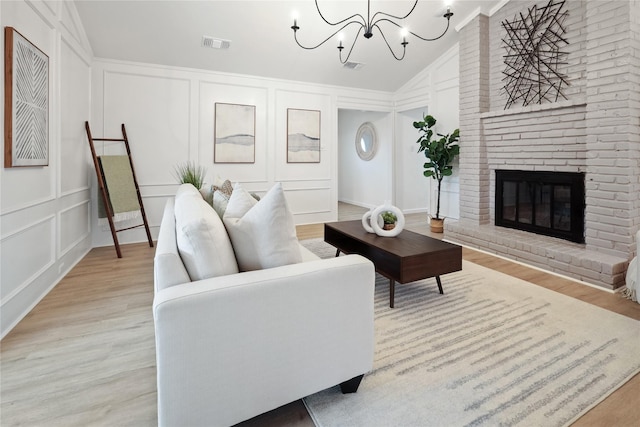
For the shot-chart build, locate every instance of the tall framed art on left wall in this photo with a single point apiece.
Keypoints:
(26, 102)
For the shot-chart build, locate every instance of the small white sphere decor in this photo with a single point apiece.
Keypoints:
(366, 218)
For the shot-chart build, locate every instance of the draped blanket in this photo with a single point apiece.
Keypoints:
(120, 188)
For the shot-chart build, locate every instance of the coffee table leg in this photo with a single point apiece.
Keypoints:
(338, 253)
(439, 284)
(392, 291)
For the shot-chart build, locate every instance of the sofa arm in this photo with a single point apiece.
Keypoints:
(229, 348)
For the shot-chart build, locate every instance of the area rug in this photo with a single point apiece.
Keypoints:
(493, 350)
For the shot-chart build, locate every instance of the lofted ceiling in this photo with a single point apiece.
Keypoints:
(170, 33)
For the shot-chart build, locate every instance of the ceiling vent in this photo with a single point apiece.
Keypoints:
(215, 43)
(353, 65)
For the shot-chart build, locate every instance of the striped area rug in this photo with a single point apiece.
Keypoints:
(493, 350)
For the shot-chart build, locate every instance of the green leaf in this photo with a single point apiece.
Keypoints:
(430, 120)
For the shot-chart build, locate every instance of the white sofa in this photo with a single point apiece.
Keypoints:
(231, 347)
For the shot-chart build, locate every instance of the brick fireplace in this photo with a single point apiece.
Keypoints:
(595, 131)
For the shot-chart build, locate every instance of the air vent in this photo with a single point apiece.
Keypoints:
(215, 43)
(353, 65)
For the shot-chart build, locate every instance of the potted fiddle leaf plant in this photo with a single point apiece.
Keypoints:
(440, 151)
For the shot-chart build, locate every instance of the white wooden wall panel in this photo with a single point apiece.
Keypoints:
(304, 171)
(44, 210)
(155, 111)
(212, 93)
(25, 254)
(307, 201)
(412, 188)
(74, 159)
(74, 225)
(433, 91)
(23, 187)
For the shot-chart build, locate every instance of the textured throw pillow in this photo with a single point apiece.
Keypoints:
(203, 242)
(207, 194)
(226, 188)
(263, 233)
(220, 201)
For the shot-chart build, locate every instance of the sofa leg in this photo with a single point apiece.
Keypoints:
(351, 386)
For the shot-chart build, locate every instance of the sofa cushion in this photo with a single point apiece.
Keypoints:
(187, 190)
(203, 242)
(263, 232)
(207, 194)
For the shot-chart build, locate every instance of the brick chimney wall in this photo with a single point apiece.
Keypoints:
(595, 130)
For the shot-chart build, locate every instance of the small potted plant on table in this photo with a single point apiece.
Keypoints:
(389, 220)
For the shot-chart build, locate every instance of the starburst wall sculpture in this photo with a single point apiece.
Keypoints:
(533, 54)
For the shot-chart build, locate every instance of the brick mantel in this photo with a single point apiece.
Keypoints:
(596, 130)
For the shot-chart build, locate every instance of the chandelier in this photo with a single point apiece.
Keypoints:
(367, 25)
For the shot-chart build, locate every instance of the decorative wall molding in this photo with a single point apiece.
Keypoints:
(50, 241)
(86, 233)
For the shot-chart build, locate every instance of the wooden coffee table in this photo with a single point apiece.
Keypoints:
(405, 258)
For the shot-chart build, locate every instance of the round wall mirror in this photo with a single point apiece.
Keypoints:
(366, 141)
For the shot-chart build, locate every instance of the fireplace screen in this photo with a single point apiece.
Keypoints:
(549, 203)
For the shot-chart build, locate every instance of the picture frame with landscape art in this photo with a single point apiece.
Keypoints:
(303, 136)
(234, 133)
(26, 102)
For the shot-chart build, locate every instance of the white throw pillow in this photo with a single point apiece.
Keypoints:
(203, 242)
(263, 232)
(220, 202)
(187, 190)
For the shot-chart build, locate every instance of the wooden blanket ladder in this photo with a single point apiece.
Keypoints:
(103, 187)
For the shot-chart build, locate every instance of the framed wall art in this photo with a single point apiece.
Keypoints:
(234, 133)
(303, 136)
(26, 102)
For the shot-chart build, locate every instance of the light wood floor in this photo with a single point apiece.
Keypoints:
(86, 356)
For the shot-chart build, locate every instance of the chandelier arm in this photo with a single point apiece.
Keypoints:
(355, 39)
(333, 24)
(435, 38)
(374, 21)
(367, 25)
(404, 45)
(295, 36)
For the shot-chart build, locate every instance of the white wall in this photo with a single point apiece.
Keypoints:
(44, 211)
(360, 182)
(169, 115)
(413, 190)
(433, 91)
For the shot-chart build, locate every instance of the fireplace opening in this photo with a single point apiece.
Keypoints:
(548, 203)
